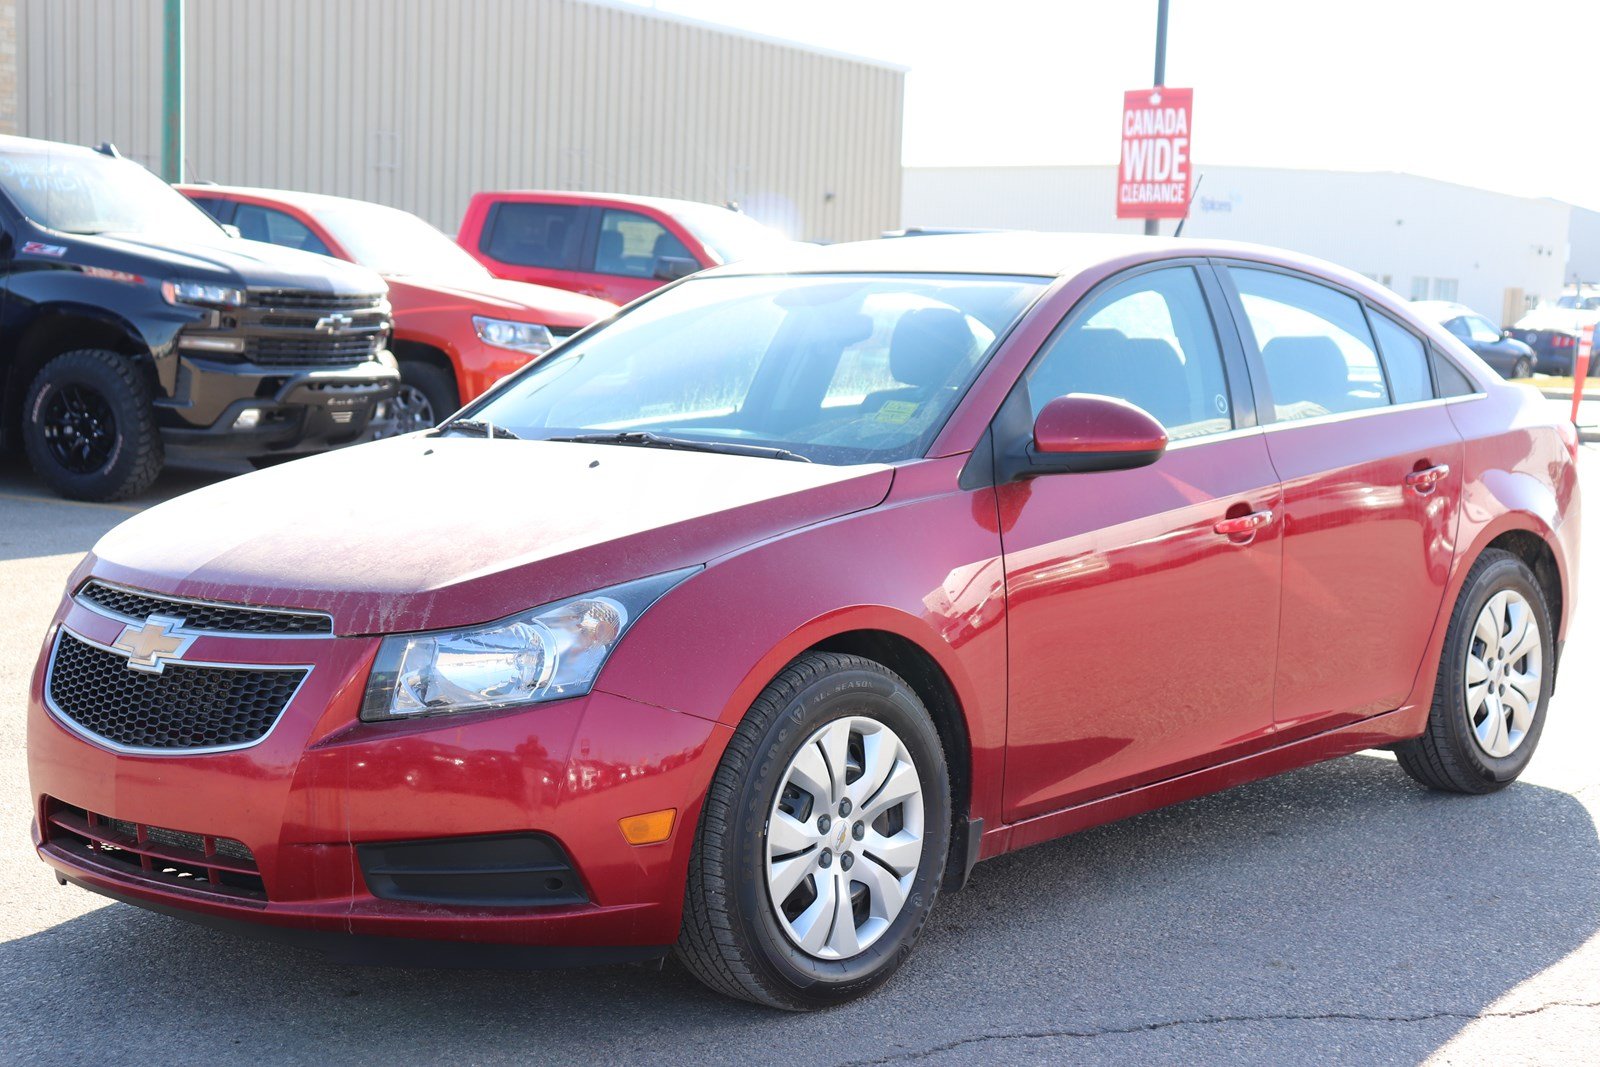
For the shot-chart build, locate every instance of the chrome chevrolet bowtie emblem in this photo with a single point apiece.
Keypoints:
(151, 643)
(335, 323)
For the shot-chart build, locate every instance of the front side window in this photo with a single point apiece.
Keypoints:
(631, 244)
(838, 368)
(257, 223)
(1150, 341)
(535, 235)
(1319, 354)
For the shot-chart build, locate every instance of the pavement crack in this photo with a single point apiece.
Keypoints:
(909, 1055)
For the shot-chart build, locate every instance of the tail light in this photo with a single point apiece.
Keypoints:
(1563, 340)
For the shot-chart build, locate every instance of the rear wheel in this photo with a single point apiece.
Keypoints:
(823, 839)
(1493, 686)
(89, 427)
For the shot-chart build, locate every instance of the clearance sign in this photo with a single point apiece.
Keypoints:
(1155, 178)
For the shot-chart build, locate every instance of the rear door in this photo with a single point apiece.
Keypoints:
(543, 243)
(1142, 638)
(1371, 468)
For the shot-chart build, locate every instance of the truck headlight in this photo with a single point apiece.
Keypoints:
(545, 653)
(208, 294)
(517, 336)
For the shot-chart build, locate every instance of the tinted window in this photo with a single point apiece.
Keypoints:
(1482, 330)
(1314, 341)
(535, 235)
(1452, 382)
(219, 209)
(1150, 341)
(630, 244)
(1404, 359)
(257, 223)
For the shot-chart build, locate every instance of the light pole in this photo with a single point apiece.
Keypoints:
(1151, 226)
(172, 111)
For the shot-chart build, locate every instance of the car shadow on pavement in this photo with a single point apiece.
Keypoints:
(1338, 910)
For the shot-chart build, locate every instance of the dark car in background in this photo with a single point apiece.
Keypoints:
(614, 247)
(457, 328)
(131, 323)
(1509, 357)
(1555, 331)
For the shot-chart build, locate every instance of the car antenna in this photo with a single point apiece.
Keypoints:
(1198, 178)
(106, 148)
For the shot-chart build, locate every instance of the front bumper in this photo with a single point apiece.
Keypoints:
(297, 411)
(320, 786)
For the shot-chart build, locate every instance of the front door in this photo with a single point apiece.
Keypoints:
(1371, 465)
(1142, 637)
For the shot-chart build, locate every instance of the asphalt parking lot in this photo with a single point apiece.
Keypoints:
(1337, 914)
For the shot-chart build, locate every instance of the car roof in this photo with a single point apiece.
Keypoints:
(1441, 310)
(308, 202)
(1024, 253)
(9, 143)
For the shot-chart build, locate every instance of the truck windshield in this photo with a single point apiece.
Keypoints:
(81, 191)
(730, 235)
(391, 241)
(834, 368)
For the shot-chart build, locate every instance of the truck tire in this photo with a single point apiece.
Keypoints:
(89, 426)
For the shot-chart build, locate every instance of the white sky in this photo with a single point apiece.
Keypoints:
(1501, 95)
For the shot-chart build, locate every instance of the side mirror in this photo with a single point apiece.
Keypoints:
(1083, 432)
(671, 268)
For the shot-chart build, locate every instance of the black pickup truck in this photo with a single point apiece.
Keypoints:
(131, 324)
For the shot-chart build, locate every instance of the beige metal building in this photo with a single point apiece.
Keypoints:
(420, 103)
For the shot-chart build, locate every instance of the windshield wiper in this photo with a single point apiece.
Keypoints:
(647, 439)
(478, 428)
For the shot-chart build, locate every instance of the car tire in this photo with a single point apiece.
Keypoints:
(1482, 727)
(427, 394)
(89, 426)
(1522, 369)
(735, 937)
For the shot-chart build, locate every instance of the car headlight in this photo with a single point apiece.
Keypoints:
(546, 653)
(517, 336)
(207, 293)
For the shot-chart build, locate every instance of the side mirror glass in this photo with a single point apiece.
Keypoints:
(671, 268)
(1087, 432)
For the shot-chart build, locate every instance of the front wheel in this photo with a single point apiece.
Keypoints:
(823, 839)
(1494, 683)
(1523, 369)
(89, 426)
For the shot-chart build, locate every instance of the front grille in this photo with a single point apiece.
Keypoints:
(218, 618)
(305, 298)
(311, 350)
(199, 863)
(185, 707)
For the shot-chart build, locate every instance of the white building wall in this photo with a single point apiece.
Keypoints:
(1415, 234)
(420, 103)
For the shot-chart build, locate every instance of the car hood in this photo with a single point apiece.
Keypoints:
(252, 264)
(420, 533)
(543, 304)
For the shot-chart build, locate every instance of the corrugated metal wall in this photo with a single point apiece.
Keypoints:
(419, 103)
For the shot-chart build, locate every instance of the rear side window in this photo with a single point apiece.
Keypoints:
(1319, 354)
(1452, 381)
(631, 244)
(1405, 360)
(535, 235)
(257, 223)
(1150, 341)
(216, 207)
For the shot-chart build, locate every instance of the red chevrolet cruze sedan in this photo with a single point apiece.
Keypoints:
(750, 620)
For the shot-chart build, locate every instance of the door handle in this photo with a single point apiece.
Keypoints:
(1243, 525)
(1427, 480)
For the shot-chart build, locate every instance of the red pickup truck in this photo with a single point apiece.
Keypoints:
(614, 247)
(457, 329)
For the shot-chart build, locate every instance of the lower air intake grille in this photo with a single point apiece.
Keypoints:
(182, 708)
(198, 863)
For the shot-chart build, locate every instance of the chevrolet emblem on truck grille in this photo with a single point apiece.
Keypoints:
(151, 643)
(335, 323)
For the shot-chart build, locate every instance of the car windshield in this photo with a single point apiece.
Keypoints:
(84, 192)
(391, 241)
(730, 235)
(1579, 303)
(835, 368)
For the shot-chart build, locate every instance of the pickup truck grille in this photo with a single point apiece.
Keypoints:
(297, 329)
